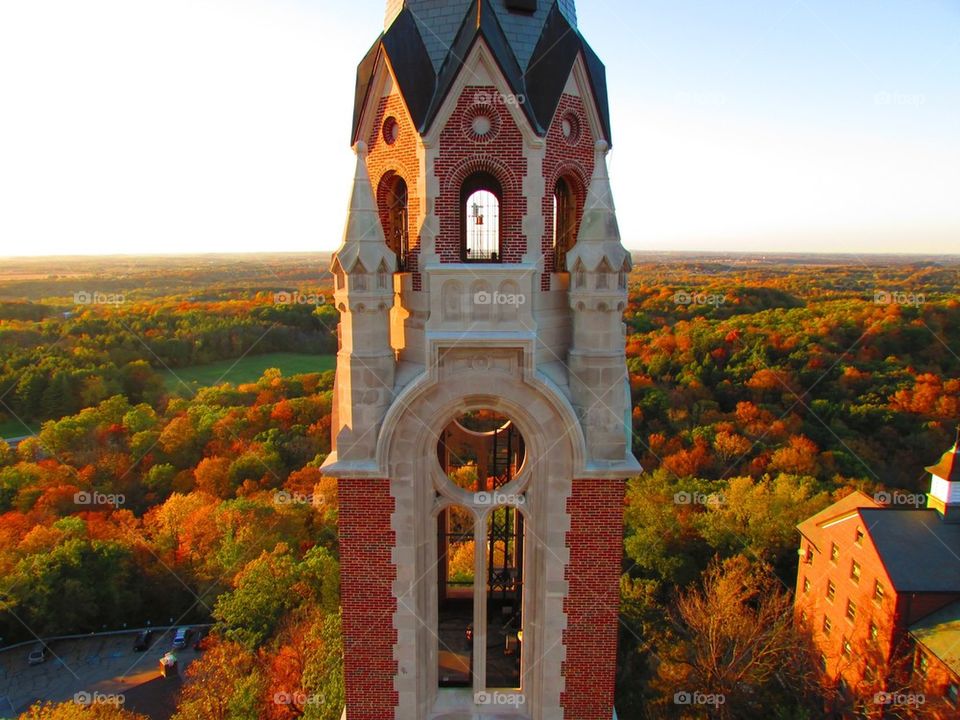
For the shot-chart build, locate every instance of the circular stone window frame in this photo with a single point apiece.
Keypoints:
(576, 127)
(390, 130)
(456, 495)
(481, 110)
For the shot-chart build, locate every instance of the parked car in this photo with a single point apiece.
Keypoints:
(142, 641)
(200, 642)
(38, 654)
(182, 637)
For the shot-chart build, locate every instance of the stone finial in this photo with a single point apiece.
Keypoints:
(599, 236)
(363, 238)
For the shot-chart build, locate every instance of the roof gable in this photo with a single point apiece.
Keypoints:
(812, 527)
(534, 52)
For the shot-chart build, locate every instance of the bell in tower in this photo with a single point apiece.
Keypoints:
(481, 424)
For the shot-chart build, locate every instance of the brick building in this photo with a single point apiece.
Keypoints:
(878, 587)
(481, 421)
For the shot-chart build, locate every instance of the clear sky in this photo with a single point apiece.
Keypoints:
(150, 126)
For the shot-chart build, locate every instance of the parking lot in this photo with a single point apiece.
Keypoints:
(101, 665)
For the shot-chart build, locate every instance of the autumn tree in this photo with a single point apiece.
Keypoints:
(224, 683)
(737, 642)
(70, 710)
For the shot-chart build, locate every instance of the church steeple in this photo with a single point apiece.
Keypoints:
(945, 483)
(535, 44)
(481, 129)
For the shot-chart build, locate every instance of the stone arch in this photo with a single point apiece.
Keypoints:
(467, 379)
(504, 174)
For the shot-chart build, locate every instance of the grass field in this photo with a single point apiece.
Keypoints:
(14, 428)
(246, 370)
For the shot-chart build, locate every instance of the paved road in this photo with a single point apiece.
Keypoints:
(104, 664)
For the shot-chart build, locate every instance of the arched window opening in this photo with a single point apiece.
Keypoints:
(383, 276)
(579, 275)
(480, 218)
(456, 589)
(504, 631)
(359, 277)
(564, 221)
(481, 452)
(397, 230)
(604, 271)
(624, 274)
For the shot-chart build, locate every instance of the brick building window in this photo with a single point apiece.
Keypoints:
(806, 585)
(874, 632)
(846, 649)
(851, 611)
(823, 662)
(831, 590)
(480, 218)
(877, 592)
(855, 571)
(859, 538)
(564, 221)
(827, 625)
(834, 553)
(953, 694)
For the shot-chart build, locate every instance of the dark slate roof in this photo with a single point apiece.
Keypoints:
(949, 466)
(535, 53)
(920, 552)
(940, 634)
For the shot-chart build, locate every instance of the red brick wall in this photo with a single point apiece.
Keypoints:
(595, 540)
(936, 704)
(573, 161)
(463, 153)
(366, 577)
(399, 158)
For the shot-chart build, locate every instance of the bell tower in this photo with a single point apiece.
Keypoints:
(481, 423)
